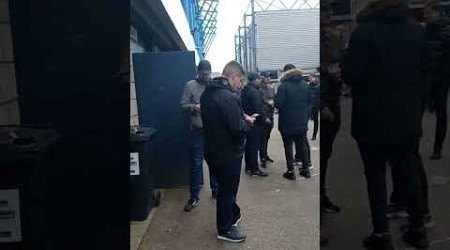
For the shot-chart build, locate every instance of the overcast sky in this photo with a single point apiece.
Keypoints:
(230, 16)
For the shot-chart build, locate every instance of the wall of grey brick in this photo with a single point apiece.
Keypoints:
(9, 107)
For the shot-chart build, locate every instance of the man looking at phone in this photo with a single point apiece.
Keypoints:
(252, 104)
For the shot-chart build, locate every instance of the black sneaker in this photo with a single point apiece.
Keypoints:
(416, 238)
(328, 206)
(428, 221)
(290, 175)
(436, 155)
(192, 203)
(305, 173)
(259, 173)
(269, 159)
(237, 220)
(214, 195)
(378, 242)
(264, 164)
(232, 236)
(396, 212)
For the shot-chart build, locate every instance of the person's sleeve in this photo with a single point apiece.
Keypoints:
(354, 65)
(233, 116)
(280, 96)
(185, 103)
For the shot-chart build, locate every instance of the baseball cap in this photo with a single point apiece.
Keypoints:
(204, 67)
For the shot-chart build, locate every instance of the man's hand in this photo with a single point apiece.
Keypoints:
(271, 103)
(327, 114)
(249, 119)
(268, 121)
(197, 108)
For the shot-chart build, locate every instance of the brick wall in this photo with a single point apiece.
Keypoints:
(9, 107)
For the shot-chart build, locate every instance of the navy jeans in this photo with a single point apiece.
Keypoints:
(301, 141)
(228, 176)
(197, 140)
(252, 146)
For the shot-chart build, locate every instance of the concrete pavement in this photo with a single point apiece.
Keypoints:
(277, 213)
(347, 188)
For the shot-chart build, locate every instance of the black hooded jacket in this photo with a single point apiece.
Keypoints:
(253, 103)
(293, 100)
(386, 68)
(223, 122)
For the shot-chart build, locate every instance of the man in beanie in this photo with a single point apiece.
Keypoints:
(190, 103)
(225, 126)
(269, 108)
(252, 104)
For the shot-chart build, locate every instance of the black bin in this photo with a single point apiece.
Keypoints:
(142, 193)
(25, 155)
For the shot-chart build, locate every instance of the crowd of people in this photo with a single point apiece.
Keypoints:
(231, 120)
(397, 68)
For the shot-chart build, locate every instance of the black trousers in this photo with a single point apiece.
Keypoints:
(315, 118)
(375, 159)
(328, 132)
(440, 103)
(265, 136)
(298, 139)
(228, 176)
(252, 146)
(299, 149)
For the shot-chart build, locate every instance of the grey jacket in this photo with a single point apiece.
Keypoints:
(191, 96)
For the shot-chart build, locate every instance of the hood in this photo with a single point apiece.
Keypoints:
(292, 75)
(389, 10)
(219, 83)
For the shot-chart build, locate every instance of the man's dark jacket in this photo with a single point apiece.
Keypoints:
(253, 103)
(223, 123)
(438, 41)
(315, 94)
(385, 66)
(293, 100)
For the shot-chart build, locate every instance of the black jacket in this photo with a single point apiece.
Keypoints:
(315, 94)
(438, 41)
(293, 100)
(253, 103)
(386, 66)
(223, 123)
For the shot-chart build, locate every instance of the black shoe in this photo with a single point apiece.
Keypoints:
(263, 164)
(232, 236)
(269, 159)
(248, 171)
(328, 206)
(436, 155)
(313, 138)
(378, 242)
(396, 212)
(290, 175)
(214, 195)
(428, 221)
(305, 173)
(416, 238)
(192, 203)
(259, 173)
(237, 220)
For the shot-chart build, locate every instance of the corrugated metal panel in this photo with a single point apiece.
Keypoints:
(288, 36)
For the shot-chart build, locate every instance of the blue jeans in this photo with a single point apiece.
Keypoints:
(197, 140)
(228, 175)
